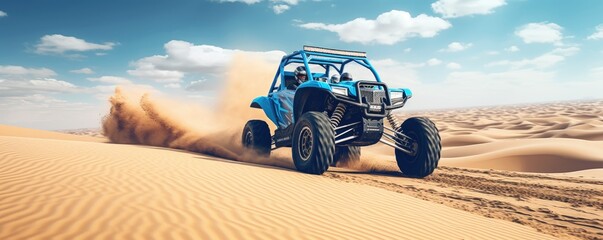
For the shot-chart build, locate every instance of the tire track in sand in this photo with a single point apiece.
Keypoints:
(569, 208)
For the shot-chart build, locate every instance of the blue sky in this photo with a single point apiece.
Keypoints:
(60, 60)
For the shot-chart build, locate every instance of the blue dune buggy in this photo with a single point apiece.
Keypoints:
(325, 120)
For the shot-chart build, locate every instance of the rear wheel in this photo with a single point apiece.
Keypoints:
(425, 147)
(346, 154)
(256, 136)
(313, 143)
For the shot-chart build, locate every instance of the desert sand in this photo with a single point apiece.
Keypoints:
(65, 186)
(65, 189)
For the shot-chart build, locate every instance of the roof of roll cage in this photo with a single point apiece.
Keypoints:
(331, 51)
(321, 55)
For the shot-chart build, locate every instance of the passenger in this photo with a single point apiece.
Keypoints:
(335, 78)
(346, 77)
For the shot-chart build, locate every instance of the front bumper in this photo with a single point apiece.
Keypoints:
(374, 98)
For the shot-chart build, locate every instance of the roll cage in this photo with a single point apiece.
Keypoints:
(328, 59)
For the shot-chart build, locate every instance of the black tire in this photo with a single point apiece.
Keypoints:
(346, 154)
(256, 136)
(313, 143)
(428, 147)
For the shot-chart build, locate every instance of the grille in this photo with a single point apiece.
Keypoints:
(372, 96)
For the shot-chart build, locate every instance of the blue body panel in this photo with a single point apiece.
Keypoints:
(267, 105)
(350, 85)
(315, 84)
(407, 92)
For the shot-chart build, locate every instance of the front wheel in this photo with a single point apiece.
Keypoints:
(425, 147)
(313, 143)
(256, 136)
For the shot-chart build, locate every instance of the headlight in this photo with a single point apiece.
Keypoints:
(340, 90)
(395, 95)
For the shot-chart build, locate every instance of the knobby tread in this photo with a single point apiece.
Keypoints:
(262, 140)
(429, 148)
(324, 143)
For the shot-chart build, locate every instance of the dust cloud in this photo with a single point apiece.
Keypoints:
(141, 118)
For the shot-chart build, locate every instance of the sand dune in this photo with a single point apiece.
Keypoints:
(528, 155)
(84, 190)
(545, 138)
(6, 130)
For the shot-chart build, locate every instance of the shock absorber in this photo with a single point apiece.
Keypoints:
(393, 121)
(337, 115)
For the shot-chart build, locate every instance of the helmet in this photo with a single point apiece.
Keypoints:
(300, 74)
(346, 77)
(335, 78)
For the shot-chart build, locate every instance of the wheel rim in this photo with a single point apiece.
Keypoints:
(305, 143)
(248, 139)
(414, 146)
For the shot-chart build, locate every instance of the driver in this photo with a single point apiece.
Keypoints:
(285, 98)
(300, 75)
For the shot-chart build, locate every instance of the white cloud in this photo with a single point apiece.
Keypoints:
(512, 49)
(598, 34)
(172, 85)
(459, 8)
(42, 111)
(453, 65)
(184, 57)
(3, 14)
(243, 1)
(83, 71)
(407, 50)
(543, 61)
(290, 2)
(111, 80)
(59, 44)
(542, 32)
(507, 87)
(50, 83)
(280, 8)
(36, 99)
(566, 52)
(196, 86)
(394, 73)
(457, 47)
(434, 62)
(22, 87)
(388, 28)
(146, 69)
(492, 52)
(14, 71)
